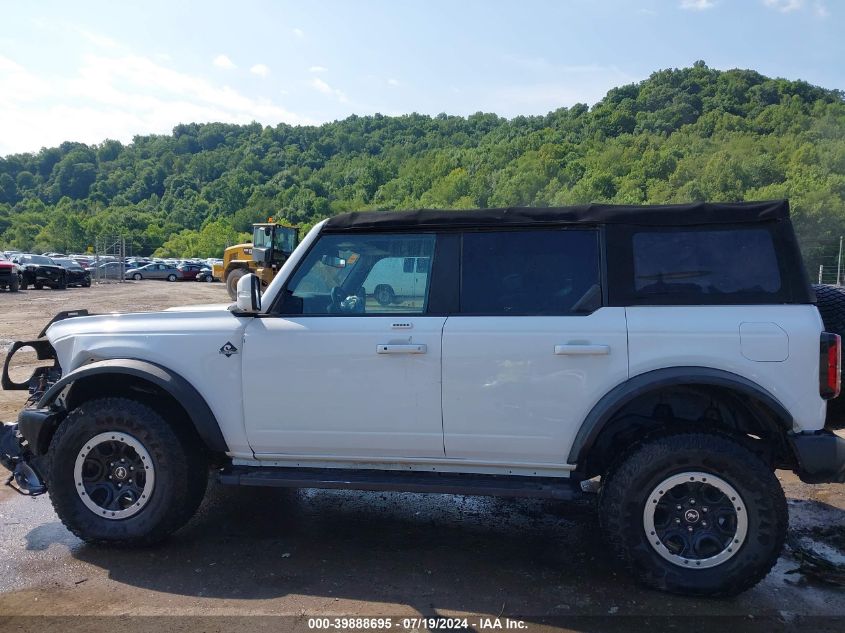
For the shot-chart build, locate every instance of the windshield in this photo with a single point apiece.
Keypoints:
(67, 263)
(39, 259)
(282, 238)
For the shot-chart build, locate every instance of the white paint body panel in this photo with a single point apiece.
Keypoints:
(509, 397)
(709, 336)
(319, 386)
(187, 342)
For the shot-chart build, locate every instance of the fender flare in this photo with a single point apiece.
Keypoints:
(612, 402)
(181, 390)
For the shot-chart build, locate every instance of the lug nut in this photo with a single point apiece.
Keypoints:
(704, 508)
(692, 502)
(689, 529)
(677, 521)
(678, 507)
(704, 523)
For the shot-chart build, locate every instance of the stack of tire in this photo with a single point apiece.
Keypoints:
(830, 300)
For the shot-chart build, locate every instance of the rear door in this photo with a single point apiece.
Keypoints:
(532, 349)
(336, 373)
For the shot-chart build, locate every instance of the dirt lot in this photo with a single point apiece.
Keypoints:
(253, 552)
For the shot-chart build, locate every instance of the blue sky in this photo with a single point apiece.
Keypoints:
(87, 71)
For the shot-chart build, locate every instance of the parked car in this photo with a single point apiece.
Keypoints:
(156, 271)
(108, 270)
(205, 274)
(76, 274)
(10, 274)
(675, 352)
(40, 271)
(189, 271)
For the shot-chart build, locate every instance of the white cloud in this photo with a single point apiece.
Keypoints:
(697, 5)
(784, 6)
(321, 86)
(260, 69)
(393, 82)
(116, 96)
(821, 10)
(98, 39)
(223, 61)
(299, 32)
(318, 69)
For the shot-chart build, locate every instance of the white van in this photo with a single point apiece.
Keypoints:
(397, 279)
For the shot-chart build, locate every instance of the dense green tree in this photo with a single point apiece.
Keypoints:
(681, 135)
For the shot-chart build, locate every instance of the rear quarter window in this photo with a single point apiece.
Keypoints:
(706, 265)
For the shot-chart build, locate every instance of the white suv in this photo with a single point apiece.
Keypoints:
(674, 352)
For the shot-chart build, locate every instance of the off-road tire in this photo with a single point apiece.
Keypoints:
(14, 283)
(232, 281)
(628, 484)
(181, 473)
(384, 295)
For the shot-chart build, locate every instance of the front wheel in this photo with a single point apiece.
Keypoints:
(232, 280)
(14, 283)
(118, 473)
(137, 276)
(695, 514)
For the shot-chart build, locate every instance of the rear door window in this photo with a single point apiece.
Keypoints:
(551, 272)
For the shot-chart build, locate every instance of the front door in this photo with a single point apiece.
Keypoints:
(337, 373)
(532, 349)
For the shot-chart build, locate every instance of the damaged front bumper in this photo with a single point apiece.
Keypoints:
(15, 455)
(23, 445)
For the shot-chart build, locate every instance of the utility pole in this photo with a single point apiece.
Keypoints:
(839, 263)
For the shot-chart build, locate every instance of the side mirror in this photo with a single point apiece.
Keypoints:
(249, 294)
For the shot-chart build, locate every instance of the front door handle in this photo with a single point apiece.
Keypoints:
(390, 348)
(582, 350)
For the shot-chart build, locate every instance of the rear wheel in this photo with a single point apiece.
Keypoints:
(119, 473)
(38, 285)
(171, 277)
(694, 513)
(384, 295)
(14, 283)
(232, 282)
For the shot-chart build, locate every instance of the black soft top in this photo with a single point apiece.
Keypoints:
(700, 213)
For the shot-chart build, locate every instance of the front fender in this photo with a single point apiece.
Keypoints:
(181, 390)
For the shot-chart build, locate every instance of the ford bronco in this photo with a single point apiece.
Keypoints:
(674, 354)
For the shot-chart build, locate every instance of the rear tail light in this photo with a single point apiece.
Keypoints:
(830, 362)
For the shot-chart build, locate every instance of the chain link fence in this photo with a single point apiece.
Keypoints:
(109, 259)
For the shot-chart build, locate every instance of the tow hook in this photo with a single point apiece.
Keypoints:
(16, 457)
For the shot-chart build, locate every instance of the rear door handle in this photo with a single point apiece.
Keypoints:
(582, 350)
(390, 348)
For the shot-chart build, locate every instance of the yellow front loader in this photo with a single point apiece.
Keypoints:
(271, 245)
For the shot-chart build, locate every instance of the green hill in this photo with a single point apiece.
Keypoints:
(681, 135)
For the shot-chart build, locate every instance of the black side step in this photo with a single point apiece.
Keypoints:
(404, 481)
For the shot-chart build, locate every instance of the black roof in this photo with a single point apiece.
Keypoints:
(700, 213)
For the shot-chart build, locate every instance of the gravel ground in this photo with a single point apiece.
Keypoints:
(254, 552)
